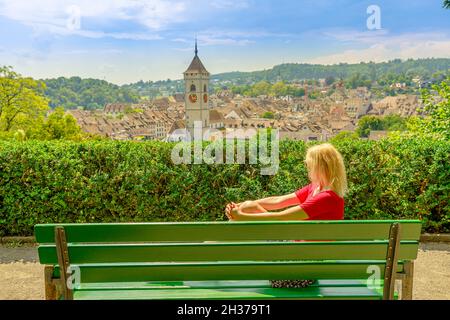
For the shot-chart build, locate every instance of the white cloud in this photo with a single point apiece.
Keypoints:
(41, 28)
(213, 37)
(245, 34)
(382, 46)
(229, 4)
(56, 16)
(214, 40)
(355, 36)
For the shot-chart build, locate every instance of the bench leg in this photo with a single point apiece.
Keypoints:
(407, 282)
(50, 286)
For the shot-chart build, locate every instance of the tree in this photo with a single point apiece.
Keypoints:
(389, 123)
(268, 115)
(394, 122)
(358, 80)
(279, 89)
(436, 112)
(368, 123)
(60, 125)
(344, 135)
(296, 92)
(22, 101)
(313, 95)
(330, 80)
(446, 4)
(261, 88)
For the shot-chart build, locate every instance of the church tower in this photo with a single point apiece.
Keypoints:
(196, 84)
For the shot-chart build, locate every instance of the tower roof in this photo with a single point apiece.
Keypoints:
(196, 64)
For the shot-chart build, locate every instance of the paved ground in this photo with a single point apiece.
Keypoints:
(21, 277)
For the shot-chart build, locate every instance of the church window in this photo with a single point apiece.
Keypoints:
(204, 88)
(192, 87)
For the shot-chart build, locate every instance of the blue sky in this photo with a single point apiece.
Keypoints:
(125, 41)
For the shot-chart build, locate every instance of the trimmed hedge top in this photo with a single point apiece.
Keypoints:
(112, 181)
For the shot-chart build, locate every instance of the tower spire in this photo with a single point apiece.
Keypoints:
(196, 50)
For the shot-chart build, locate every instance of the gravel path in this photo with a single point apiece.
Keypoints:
(21, 276)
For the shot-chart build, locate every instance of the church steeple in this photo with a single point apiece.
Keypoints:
(196, 80)
(196, 64)
(196, 50)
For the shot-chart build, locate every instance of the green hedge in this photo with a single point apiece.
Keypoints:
(98, 181)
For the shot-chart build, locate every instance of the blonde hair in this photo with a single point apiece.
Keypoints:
(326, 168)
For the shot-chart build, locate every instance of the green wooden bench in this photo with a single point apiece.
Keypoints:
(227, 260)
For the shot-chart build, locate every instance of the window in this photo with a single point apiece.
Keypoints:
(204, 88)
(192, 87)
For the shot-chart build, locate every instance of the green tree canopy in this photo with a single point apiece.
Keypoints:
(279, 89)
(368, 123)
(60, 125)
(436, 112)
(389, 123)
(344, 135)
(330, 80)
(90, 94)
(22, 101)
(266, 88)
(268, 115)
(261, 88)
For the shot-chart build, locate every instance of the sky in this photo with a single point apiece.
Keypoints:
(124, 41)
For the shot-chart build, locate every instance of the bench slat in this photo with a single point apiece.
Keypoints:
(230, 231)
(235, 293)
(256, 251)
(217, 284)
(128, 272)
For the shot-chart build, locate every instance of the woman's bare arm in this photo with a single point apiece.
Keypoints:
(251, 207)
(266, 204)
(293, 213)
(279, 202)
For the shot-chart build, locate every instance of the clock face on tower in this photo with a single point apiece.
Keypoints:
(205, 98)
(193, 98)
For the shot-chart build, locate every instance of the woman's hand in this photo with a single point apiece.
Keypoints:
(232, 211)
(228, 208)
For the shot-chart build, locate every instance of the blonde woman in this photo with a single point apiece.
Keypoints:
(322, 199)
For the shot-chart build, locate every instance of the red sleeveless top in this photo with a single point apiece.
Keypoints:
(326, 205)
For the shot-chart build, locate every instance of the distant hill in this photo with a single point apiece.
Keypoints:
(90, 94)
(373, 71)
(355, 74)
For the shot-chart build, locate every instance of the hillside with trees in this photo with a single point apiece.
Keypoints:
(381, 75)
(266, 88)
(372, 71)
(89, 94)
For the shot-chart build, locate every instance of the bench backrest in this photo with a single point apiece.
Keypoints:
(127, 252)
